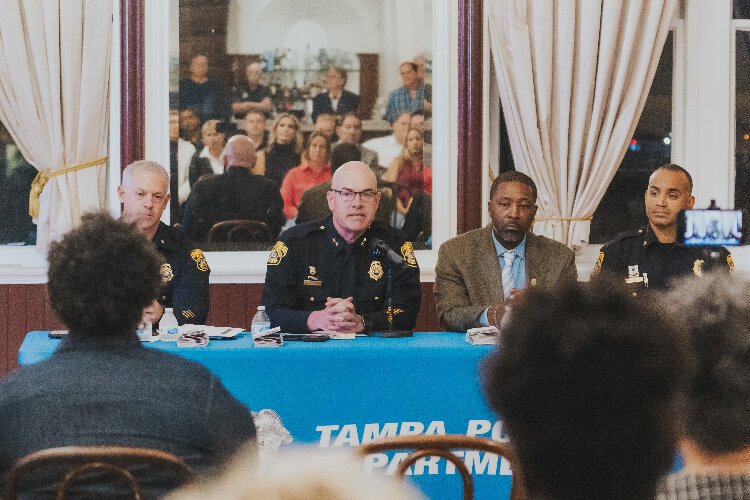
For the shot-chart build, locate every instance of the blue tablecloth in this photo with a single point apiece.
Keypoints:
(341, 392)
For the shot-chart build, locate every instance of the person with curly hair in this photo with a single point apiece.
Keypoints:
(715, 445)
(101, 387)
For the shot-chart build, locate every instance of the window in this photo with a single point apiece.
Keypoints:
(16, 175)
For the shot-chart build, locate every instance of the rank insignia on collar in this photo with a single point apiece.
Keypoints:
(166, 273)
(200, 259)
(313, 271)
(698, 267)
(407, 250)
(278, 252)
(730, 263)
(376, 270)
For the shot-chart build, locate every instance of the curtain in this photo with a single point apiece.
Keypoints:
(573, 77)
(54, 100)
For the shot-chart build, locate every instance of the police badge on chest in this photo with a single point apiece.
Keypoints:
(634, 276)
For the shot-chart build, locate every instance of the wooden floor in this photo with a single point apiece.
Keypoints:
(26, 307)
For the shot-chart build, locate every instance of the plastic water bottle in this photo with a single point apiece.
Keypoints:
(260, 322)
(168, 322)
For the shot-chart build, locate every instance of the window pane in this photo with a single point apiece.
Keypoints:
(622, 207)
(742, 121)
(275, 57)
(741, 9)
(16, 175)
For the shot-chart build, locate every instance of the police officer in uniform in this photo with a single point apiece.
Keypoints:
(322, 274)
(144, 196)
(651, 257)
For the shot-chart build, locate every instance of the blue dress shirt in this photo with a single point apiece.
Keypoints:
(518, 268)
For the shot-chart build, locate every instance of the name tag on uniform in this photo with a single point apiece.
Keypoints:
(313, 282)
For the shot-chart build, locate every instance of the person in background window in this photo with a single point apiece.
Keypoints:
(409, 173)
(254, 124)
(210, 161)
(421, 63)
(252, 95)
(315, 169)
(335, 100)
(201, 93)
(407, 98)
(651, 257)
(143, 194)
(390, 146)
(235, 194)
(350, 132)
(16, 176)
(419, 121)
(183, 153)
(326, 123)
(190, 127)
(283, 150)
(101, 386)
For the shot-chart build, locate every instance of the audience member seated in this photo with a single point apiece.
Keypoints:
(210, 160)
(314, 203)
(190, 127)
(587, 380)
(183, 154)
(201, 93)
(283, 150)
(251, 95)
(418, 121)
(479, 271)
(16, 176)
(315, 169)
(326, 124)
(254, 125)
(421, 63)
(407, 98)
(294, 474)
(409, 173)
(144, 197)
(235, 194)
(390, 146)
(715, 445)
(350, 131)
(335, 100)
(101, 387)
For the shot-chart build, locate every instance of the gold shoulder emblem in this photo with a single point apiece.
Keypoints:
(278, 252)
(200, 259)
(166, 273)
(598, 265)
(698, 267)
(730, 263)
(407, 250)
(376, 270)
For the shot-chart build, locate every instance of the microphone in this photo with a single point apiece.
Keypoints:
(379, 247)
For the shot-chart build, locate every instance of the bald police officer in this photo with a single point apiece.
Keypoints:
(651, 257)
(322, 275)
(144, 196)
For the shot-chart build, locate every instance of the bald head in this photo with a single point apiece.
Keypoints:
(354, 173)
(239, 152)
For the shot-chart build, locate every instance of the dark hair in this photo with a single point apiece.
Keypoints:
(344, 153)
(715, 313)
(419, 112)
(513, 176)
(347, 115)
(673, 167)
(586, 382)
(305, 155)
(101, 276)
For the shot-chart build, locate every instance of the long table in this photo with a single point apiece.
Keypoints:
(340, 393)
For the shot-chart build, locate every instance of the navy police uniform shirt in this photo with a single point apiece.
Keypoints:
(184, 276)
(642, 261)
(312, 262)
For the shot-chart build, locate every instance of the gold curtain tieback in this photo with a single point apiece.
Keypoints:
(566, 219)
(37, 186)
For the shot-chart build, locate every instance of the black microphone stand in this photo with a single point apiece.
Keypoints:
(390, 333)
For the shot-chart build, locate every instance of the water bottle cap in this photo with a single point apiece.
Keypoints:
(261, 308)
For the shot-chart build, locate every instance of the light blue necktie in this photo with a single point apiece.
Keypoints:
(508, 273)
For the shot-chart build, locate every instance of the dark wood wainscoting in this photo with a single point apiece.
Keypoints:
(26, 307)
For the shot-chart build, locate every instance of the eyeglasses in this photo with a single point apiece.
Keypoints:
(367, 196)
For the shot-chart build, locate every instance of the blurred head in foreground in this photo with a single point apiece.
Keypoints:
(298, 474)
(587, 383)
(101, 276)
(715, 313)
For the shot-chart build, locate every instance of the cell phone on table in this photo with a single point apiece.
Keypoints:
(712, 227)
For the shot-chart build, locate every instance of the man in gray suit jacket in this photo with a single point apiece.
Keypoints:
(479, 271)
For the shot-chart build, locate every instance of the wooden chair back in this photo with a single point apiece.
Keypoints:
(86, 459)
(441, 446)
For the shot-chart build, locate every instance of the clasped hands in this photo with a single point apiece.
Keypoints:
(339, 315)
(497, 313)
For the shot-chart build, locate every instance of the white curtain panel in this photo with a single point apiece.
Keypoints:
(54, 99)
(573, 77)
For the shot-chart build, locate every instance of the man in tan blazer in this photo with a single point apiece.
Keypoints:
(473, 267)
